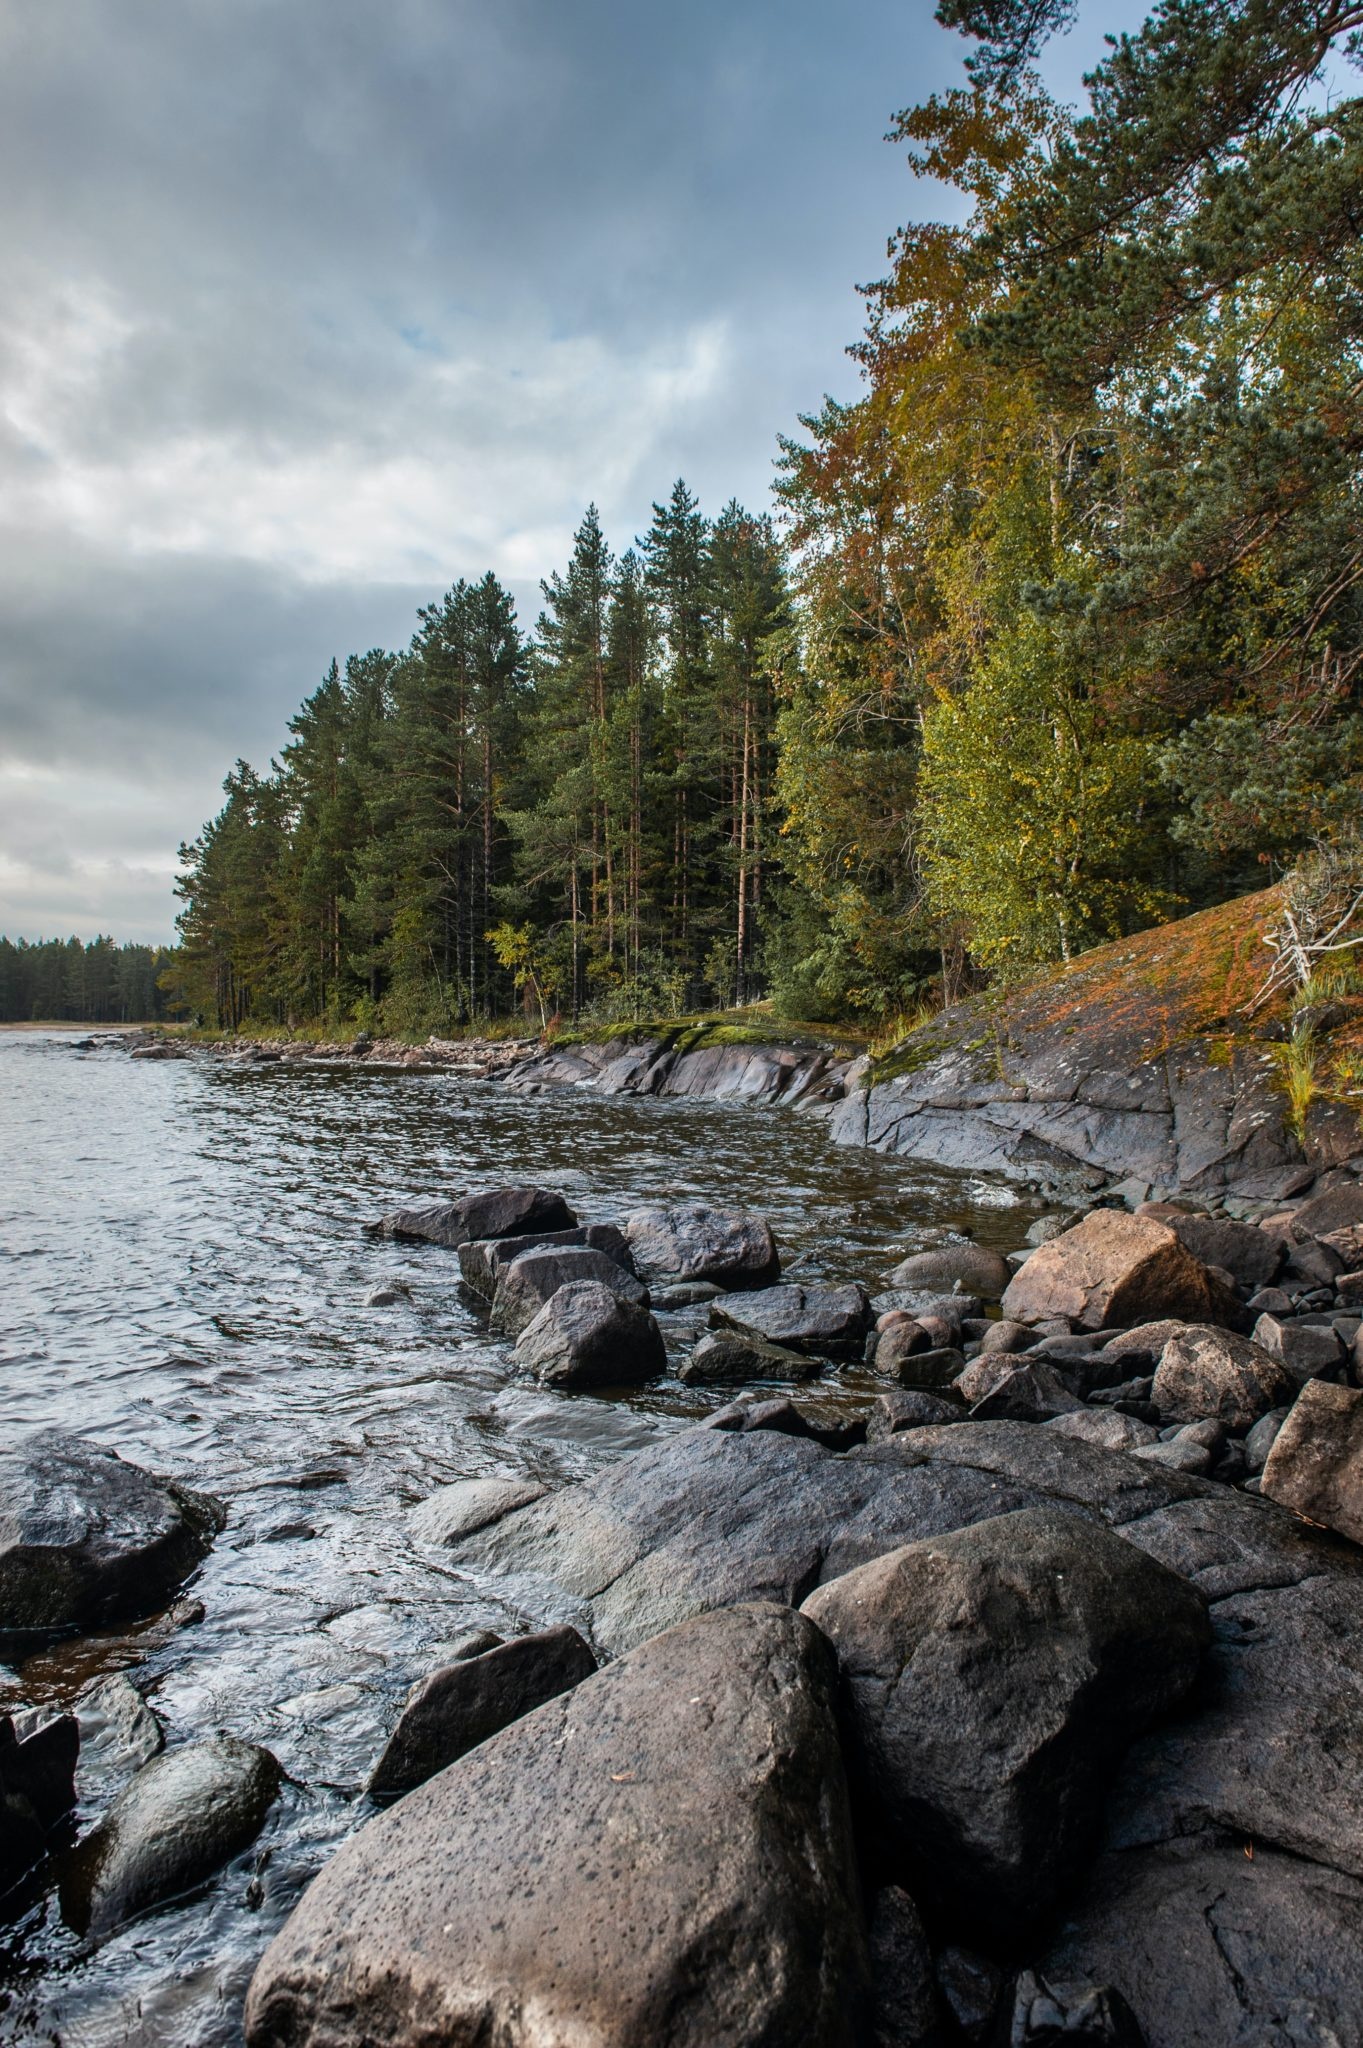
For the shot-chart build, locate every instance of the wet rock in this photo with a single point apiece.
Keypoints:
(387, 1296)
(692, 1881)
(1114, 1269)
(587, 1335)
(905, 1356)
(529, 1281)
(1051, 2015)
(87, 1539)
(491, 1212)
(723, 1355)
(1316, 1464)
(458, 1510)
(967, 1266)
(1210, 1372)
(37, 1786)
(481, 1261)
(185, 1814)
(1105, 1427)
(686, 1294)
(691, 1241)
(904, 2010)
(909, 1408)
(454, 1709)
(995, 1676)
(971, 1988)
(824, 1322)
(118, 1734)
(1047, 1227)
(1027, 1393)
(1305, 1349)
(1209, 1944)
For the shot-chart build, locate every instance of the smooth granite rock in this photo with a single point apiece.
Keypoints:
(692, 1241)
(587, 1335)
(823, 1322)
(456, 1510)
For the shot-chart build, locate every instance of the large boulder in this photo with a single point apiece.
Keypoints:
(967, 1266)
(1251, 1256)
(185, 1814)
(691, 1241)
(1113, 1269)
(661, 1855)
(455, 1708)
(1316, 1464)
(995, 1676)
(1206, 1372)
(481, 1261)
(1210, 1944)
(490, 1212)
(87, 1539)
(587, 1336)
(823, 1322)
(528, 1282)
(1337, 1209)
(728, 1355)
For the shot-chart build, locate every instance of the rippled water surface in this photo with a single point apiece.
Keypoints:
(183, 1279)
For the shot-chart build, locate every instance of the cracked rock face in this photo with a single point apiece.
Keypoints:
(692, 1883)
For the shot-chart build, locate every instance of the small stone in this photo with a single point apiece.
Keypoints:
(911, 1366)
(1050, 2015)
(1176, 1457)
(1259, 1441)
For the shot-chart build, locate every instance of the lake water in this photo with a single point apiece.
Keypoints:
(183, 1277)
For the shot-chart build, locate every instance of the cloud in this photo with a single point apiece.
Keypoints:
(313, 306)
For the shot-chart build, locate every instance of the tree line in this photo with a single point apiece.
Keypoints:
(1058, 631)
(98, 982)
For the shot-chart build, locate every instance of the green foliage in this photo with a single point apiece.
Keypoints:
(96, 982)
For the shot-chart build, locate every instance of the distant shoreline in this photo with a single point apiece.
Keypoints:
(85, 1030)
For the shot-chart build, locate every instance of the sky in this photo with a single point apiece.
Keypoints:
(314, 306)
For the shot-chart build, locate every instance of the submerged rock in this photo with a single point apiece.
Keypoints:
(824, 1322)
(662, 1855)
(492, 1212)
(691, 1241)
(587, 1336)
(184, 1815)
(454, 1709)
(118, 1734)
(87, 1539)
(1114, 1269)
(995, 1676)
(528, 1282)
(458, 1510)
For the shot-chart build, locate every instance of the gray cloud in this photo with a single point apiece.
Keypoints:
(314, 305)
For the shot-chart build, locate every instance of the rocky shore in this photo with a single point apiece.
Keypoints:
(1017, 1704)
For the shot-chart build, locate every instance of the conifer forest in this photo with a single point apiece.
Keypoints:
(1054, 632)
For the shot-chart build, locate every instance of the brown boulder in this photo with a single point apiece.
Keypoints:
(1114, 1269)
(1316, 1464)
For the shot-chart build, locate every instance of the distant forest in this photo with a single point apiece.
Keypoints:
(65, 981)
(1058, 629)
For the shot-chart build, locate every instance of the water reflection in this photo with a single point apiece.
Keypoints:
(184, 1280)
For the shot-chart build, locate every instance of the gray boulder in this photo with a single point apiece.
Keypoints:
(661, 1855)
(1316, 1464)
(1338, 1209)
(1210, 1372)
(586, 1335)
(1105, 1427)
(37, 1787)
(185, 1814)
(824, 1322)
(87, 1539)
(458, 1510)
(1114, 1269)
(727, 1355)
(908, 1408)
(1250, 1255)
(692, 1241)
(995, 1676)
(1030, 1392)
(490, 1212)
(481, 1261)
(454, 1709)
(1306, 1349)
(118, 1734)
(1210, 1945)
(967, 1266)
(528, 1282)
